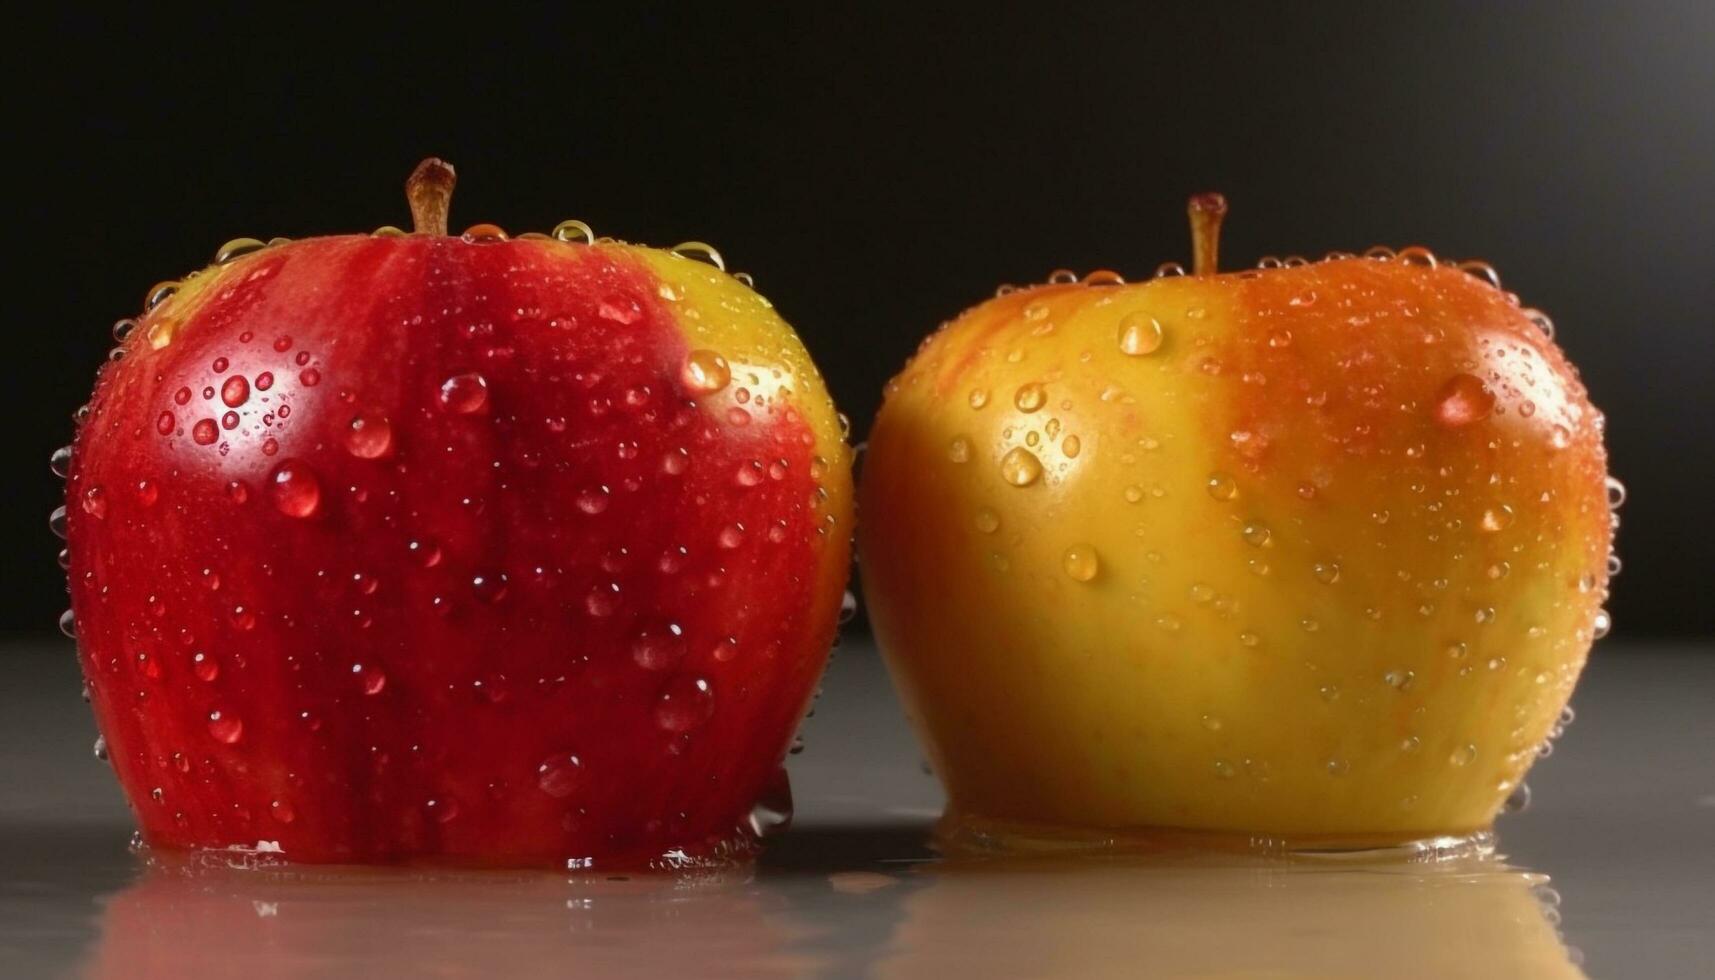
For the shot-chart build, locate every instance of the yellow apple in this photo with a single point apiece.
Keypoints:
(1313, 552)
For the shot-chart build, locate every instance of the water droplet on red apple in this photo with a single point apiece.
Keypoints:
(593, 500)
(560, 775)
(658, 647)
(427, 551)
(368, 435)
(95, 502)
(731, 536)
(60, 461)
(295, 489)
(848, 607)
(235, 391)
(464, 394)
(229, 420)
(684, 704)
(57, 522)
(370, 678)
(1497, 518)
(205, 666)
(1463, 400)
(205, 432)
(182, 396)
(489, 586)
(225, 727)
(68, 624)
(238, 491)
(603, 600)
(282, 811)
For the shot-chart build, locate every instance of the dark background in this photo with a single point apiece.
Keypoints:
(880, 170)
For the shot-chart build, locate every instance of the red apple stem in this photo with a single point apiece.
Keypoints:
(1206, 212)
(430, 191)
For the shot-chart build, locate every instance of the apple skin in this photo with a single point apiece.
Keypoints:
(371, 537)
(1322, 564)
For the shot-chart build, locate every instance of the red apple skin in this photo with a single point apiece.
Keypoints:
(371, 537)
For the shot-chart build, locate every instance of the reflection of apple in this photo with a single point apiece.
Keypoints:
(260, 924)
(401, 546)
(1040, 919)
(1313, 551)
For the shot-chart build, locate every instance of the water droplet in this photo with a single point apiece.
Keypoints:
(95, 502)
(1030, 397)
(574, 232)
(959, 450)
(1020, 467)
(205, 432)
(593, 500)
(1080, 562)
(1326, 572)
(658, 647)
(489, 586)
(238, 491)
(684, 704)
(68, 624)
(237, 249)
(848, 608)
(979, 397)
(100, 749)
(1497, 518)
(700, 252)
(987, 521)
(165, 423)
(1139, 334)
(1616, 494)
(560, 775)
(57, 522)
(295, 489)
(483, 234)
(464, 394)
(1222, 487)
(1257, 534)
(60, 461)
(1462, 401)
(235, 391)
(123, 329)
(1518, 800)
(225, 727)
(1463, 755)
(706, 372)
(1601, 625)
(372, 680)
(368, 436)
(1399, 679)
(205, 666)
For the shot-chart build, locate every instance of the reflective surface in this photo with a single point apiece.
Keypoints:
(1620, 825)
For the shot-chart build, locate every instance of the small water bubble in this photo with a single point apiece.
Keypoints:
(1257, 534)
(368, 435)
(1030, 397)
(1139, 334)
(848, 608)
(226, 727)
(979, 397)
(1518, 800)
(295, 489)
(60, 461)
(1497, 518)
(560, 775)
(684, 704)
(1399, 679)
(1020, 467)
(235, 391)
(706, 372)
(489, 586)
(95, 502)
(464, 394)
(1080, 562)
(205, 666)
(986, 520)
(1462, 401)
(68, 624)
(1463, 755)
(372, 680)
(205, 432)
(57, 522)
(1601, 625)
(1616, 494)
(959, 450)
(574, 232)
(483, 234)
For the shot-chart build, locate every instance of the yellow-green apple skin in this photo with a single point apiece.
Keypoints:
(1314, 552)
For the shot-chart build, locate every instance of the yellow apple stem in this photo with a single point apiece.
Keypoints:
(1206, 212)
(430, 191)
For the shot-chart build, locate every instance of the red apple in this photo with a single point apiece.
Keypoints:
(513, 551)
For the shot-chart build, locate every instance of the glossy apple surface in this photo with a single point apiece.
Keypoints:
(1312, 552)
(510, 551)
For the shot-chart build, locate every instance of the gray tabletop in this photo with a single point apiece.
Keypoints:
(1607, 874)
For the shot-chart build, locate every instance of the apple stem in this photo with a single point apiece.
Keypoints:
(1206, 212)
(430, 191)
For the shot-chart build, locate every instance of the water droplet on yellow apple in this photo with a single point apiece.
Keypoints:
(1222, 487)
(959, 450)
(1139, 334)
(1030, 397)
(1020, 467)
(1080, 562)
(987, 521)
(706, 372)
